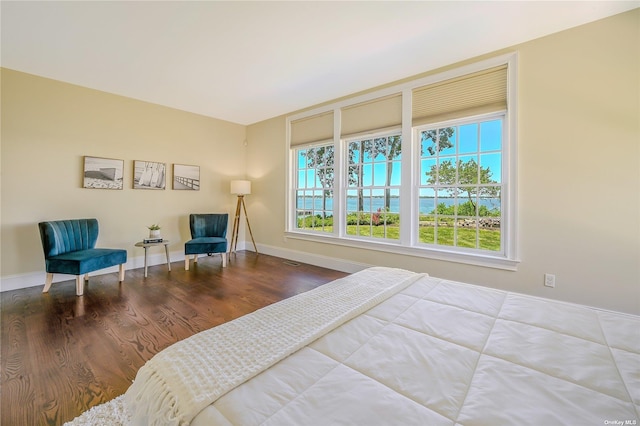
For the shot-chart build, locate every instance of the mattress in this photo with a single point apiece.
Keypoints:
(438, 352)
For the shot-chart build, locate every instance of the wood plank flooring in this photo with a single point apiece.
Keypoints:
(62, 354)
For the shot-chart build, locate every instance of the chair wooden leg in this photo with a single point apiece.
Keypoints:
(48, 282)
(195, 258)
(186, 262)
(79, 285)
(121, 272)
(224, 260)
(86, 277)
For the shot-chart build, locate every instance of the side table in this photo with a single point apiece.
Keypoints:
(146, 248)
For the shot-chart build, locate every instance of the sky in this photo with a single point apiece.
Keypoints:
(481, 142)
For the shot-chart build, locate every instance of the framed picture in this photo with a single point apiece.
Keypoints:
(149, 175)
(186, 177)
(102, 173)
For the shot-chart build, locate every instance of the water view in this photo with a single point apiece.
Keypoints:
(427, 204)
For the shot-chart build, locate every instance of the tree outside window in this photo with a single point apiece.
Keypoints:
(460, 203)
(373, 194)
(314, 188)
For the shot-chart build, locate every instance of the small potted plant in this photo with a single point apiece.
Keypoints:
(154, 231)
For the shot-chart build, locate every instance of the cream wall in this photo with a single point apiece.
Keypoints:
(47, 128)
(578, 167)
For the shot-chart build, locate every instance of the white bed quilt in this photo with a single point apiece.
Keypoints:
(183, 379)
(447, 353)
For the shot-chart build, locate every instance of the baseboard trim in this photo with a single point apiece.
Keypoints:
(34, 279)
(310, 258)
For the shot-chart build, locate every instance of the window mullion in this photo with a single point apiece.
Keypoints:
(339, 183)
(408, 187)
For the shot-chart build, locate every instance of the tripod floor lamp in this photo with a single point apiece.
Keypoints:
(240, 188)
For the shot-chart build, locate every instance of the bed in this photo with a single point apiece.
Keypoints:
(386, 346)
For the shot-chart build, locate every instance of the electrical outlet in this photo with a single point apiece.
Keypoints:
(549, 280)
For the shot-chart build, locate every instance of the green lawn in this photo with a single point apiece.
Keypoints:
(393, 232)
(488, 239)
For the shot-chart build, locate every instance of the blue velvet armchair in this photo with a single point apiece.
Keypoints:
(209, 236)
(69, 248)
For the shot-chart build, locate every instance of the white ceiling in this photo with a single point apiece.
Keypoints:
(249, 61)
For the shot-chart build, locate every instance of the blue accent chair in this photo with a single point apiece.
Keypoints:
(69, 248)
(209, 235)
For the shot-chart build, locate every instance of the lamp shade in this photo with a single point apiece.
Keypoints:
(241, 187)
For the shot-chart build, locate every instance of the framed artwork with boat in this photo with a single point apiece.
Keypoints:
(102, 173)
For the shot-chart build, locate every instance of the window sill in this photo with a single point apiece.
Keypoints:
(497, 262)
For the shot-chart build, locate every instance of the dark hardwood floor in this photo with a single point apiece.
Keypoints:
(62, 354)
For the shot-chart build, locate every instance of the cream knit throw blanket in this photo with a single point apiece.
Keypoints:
(180, 381)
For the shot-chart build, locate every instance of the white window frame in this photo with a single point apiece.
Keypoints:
(503, 182)
(345, 146)
(296, 188)
(507, 259)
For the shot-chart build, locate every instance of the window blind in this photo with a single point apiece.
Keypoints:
(316, 128)
(481, 92)
(372, 115)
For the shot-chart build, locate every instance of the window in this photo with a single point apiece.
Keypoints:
(314, 188)
(461, 184)
(373, 190)
(424, 168)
